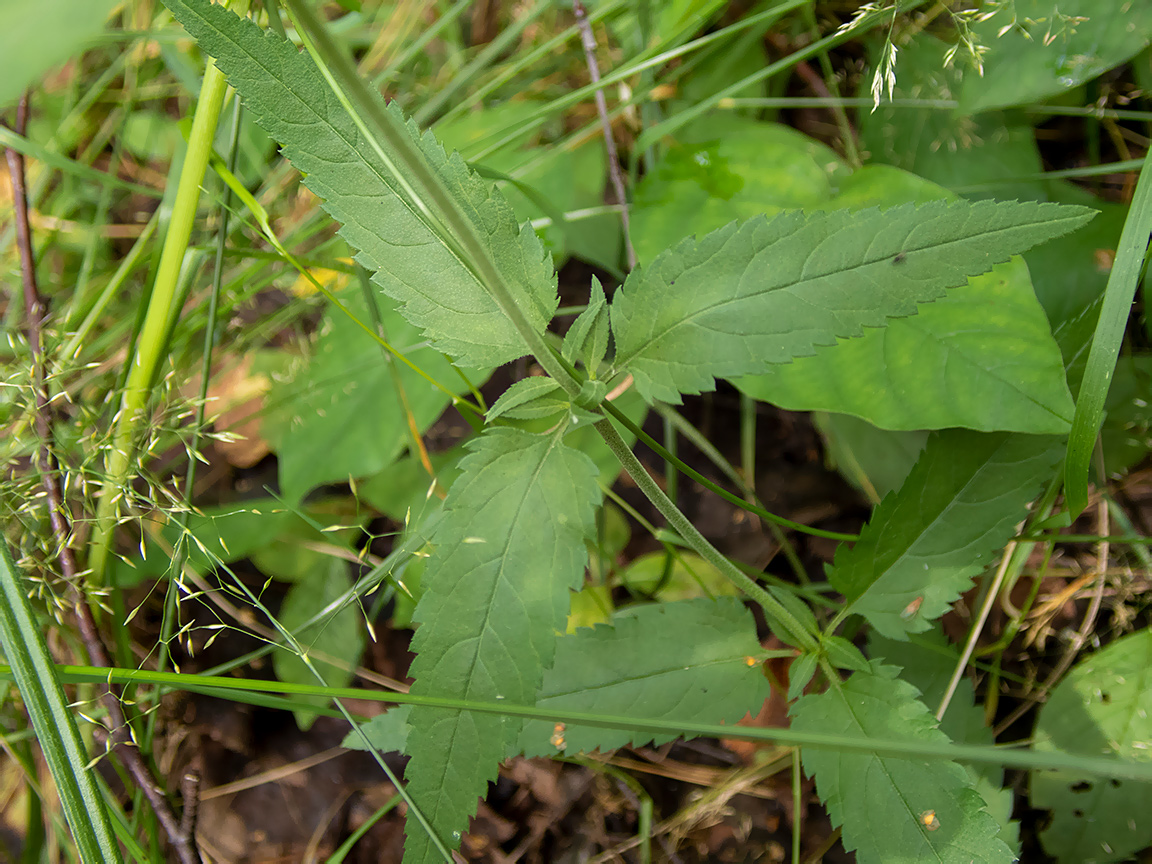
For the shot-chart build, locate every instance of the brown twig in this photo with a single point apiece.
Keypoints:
(589, 42)
(120, 734)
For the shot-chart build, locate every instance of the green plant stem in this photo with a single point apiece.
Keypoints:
(1010, 755)
(684, 468)
(682, 525)
(152, 344)
(797, 806)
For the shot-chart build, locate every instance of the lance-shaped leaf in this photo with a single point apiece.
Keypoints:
(691, 660)
(982, 358)
(763, 292)
(509, 548)
(587, 339)
(406, 252)
(927, 663)
(894, 809)
(926, 541)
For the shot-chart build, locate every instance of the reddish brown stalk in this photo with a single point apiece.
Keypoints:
(589, 42)
(120, 736)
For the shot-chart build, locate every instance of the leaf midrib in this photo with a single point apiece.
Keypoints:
(262, 34)
(788, 286)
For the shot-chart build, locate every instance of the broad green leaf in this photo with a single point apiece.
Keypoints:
(408, 257)
(338, 635)
(882, 186)
(1052, 47)
(34, 37)
(982, 358)
(387, 732)
(875, 461)
(767, 291)
(339, 415)
(692, 660)
(927, 662)
(887, 806)
(728, 168)
(1103, 706)
(509, 548)
(925, 543)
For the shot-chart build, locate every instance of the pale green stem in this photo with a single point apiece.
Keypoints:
(151, 346)
(683, 526)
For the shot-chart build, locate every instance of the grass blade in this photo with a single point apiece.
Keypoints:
(1106, 342)
(35, 676)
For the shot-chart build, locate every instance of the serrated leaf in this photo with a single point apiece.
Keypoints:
(684, 660)
(1103, 706)
(508, 549)
(894, 810)
(927, 662)
(843, 654)
(387, 732)
(339, 414)
(748, 296)
(800, 673)
(587, 339)
(528, 399)
(405, 253)
(339, 635)
(925, 542)
(982, 358)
